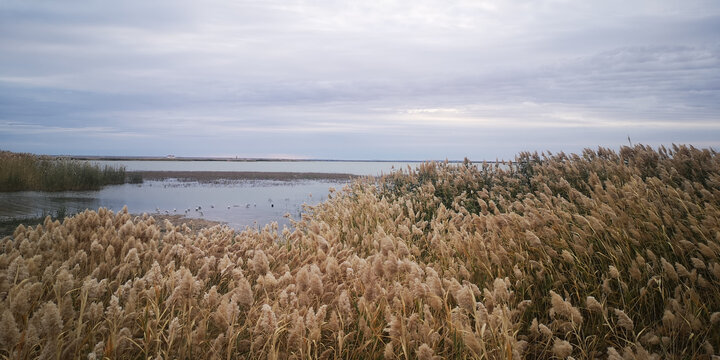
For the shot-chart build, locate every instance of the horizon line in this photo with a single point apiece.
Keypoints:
(249, 159)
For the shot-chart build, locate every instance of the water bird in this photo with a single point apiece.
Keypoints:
(212, 206)
(174, 210)
(247, 206)
(228, 207)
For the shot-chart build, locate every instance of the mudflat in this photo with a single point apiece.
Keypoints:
(212, 176)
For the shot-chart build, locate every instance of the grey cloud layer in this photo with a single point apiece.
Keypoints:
(390, 79)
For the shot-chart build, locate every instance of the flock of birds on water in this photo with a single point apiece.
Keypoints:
(198, 209)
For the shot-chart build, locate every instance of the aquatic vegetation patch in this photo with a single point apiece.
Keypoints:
(20, 172)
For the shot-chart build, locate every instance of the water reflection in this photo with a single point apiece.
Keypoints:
(238, 203)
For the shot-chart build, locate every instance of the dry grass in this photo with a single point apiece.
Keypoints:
(604, 254)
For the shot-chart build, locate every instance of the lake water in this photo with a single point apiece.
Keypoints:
(362, 168)
(238, 203)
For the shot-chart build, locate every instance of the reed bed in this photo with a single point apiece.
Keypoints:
(597, 255)
(31, 172)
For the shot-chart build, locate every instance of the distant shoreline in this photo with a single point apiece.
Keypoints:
(210, 176)
(238, 159)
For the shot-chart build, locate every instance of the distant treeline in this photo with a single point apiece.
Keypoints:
(20, 171)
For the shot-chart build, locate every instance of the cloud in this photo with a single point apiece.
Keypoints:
(426, 72)
(22, 129)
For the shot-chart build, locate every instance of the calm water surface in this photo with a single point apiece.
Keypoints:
(238, 203)
(341, 167)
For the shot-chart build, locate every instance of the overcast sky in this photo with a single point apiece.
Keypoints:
(420, 79)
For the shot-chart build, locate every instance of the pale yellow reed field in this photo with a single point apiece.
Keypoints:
(601, 254)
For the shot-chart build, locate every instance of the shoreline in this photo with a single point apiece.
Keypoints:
(211, 176)
(246, 159)
(228, 159)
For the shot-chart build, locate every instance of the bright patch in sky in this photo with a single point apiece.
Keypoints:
(424, 79)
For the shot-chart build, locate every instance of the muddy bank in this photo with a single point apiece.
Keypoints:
(215, 176)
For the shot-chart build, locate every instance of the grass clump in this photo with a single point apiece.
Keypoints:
(20, 172)
(604, 254)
